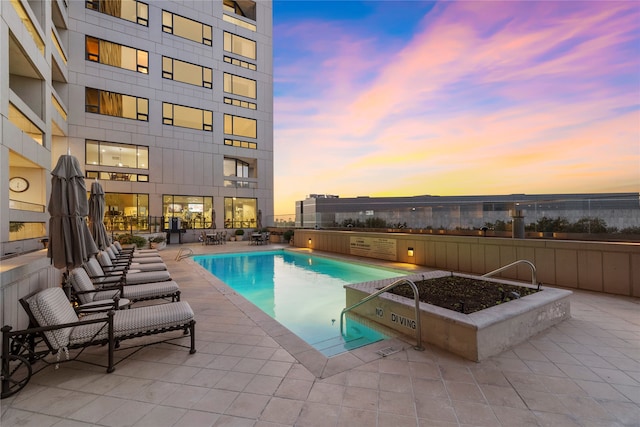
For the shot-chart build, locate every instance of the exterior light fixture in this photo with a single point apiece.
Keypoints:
(409, 251)
(309, 241)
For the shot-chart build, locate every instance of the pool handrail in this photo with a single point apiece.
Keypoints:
(520, 261)
(416, 299)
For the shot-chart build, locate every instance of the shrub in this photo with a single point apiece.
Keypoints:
(239, 232)
(156, 239)
(288, 235)
(130, 239)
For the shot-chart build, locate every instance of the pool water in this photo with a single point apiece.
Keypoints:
(305, 293)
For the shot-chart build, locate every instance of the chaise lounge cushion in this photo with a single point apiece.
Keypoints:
(133, 321)
(51, 307)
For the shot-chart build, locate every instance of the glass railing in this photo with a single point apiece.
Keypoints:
(592, 218)
(56, 43)
(31, 28)
(25, 206)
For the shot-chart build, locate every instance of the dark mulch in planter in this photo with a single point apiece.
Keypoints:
(463, 294)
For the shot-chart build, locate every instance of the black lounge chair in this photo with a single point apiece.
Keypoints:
(55, 328)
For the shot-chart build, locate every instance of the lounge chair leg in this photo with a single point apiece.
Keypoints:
(192, 329)
(112, 342)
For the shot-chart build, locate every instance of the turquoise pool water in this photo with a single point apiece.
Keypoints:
(303, 292)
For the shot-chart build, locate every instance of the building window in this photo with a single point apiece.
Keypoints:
(239, 45)
(239, 85)
(236, 169)
(187, 117)
(131, 10)
(28, 24)
(126, 211)
(240, 212)
(240, 126)
(246, 8)
(240, 144)
(26, 230)
(116, 104)
(101, 153)
(117, 176)
(116, 55)
(240, 23)
(23, 123)
(185, 72)
(187, 211)
(239, 103)
(186, 28)
(240, 63)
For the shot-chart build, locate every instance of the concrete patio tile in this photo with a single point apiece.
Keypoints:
(502, 396)
(248, 405)
(282, 411)
(293, 389)
(234, 381)
(198, 418)
(396, 403)
(185, 396)
(134, 412)
(161, 416)
(363, 398)
(331, 394)
(98, 409)
(392, 420)
(585, 407)
(475, 414)
(207, 377)
(602, 390)
(352, 417)
(263, 384)
(435, 409)
(143, 390)
(626, 413)
(464, 391)
(396, 383)
(364, 379)
(515, 417)
(216, 401)
(232, 421)
(315, 414)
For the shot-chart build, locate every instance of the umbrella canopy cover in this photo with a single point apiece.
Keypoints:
(96, 216)
(70, 242)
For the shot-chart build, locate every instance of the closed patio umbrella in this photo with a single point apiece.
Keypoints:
(96, 216)
(70, 242)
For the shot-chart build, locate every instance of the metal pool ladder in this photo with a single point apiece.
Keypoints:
(416, 299)
(184, 253)
(520, 261)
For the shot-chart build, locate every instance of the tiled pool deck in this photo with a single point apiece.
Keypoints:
(583, 372)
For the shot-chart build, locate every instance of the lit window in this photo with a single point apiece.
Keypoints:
(23, 123)
(241, 126)
(239, 85)
(239, 63)
(188, 117)
(239, 45)
(102, 153)
(127, 211)
(240, 212)
(186, 72)
(116, 55)
(131, 10)
(116, 104)
(187, 211)
(246, 8)
(186, 28)
(240, 144)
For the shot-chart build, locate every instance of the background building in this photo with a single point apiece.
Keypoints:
(168, 103)
(619, 210)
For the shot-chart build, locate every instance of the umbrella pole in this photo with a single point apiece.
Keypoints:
(66, 284)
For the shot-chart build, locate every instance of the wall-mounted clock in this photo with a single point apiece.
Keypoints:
(18, 184)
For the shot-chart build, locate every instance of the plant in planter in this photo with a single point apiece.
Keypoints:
(157, 242)
(288, 236)
(130, 239)
(239, 233)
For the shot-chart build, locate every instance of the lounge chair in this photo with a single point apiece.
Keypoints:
(55, 329)
(121, 249)
(132, 259)
(109, 264)
(87, 293)
(130, 277)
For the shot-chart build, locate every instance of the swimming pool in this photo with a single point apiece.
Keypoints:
(305, 293)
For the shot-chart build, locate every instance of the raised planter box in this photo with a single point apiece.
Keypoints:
(474, 336)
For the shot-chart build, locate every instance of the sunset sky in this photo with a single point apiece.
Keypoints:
(404, 98)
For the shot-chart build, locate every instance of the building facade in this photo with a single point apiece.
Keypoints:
(169, 104)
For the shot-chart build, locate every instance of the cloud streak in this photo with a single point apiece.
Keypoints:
(482, 98)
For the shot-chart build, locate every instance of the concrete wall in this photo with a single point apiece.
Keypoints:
(19, 277)
(609, 267)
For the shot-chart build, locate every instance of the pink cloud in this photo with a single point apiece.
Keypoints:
(486, 98)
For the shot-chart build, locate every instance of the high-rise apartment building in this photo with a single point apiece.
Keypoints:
(169, 104)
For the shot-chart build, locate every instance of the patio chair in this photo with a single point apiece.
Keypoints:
(133, 249)
(109, 264)
(127, 258)
(88, 294)
(130, 277)
(55, 329)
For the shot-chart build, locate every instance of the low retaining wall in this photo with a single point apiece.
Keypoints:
(609, 267)
(474, 336)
